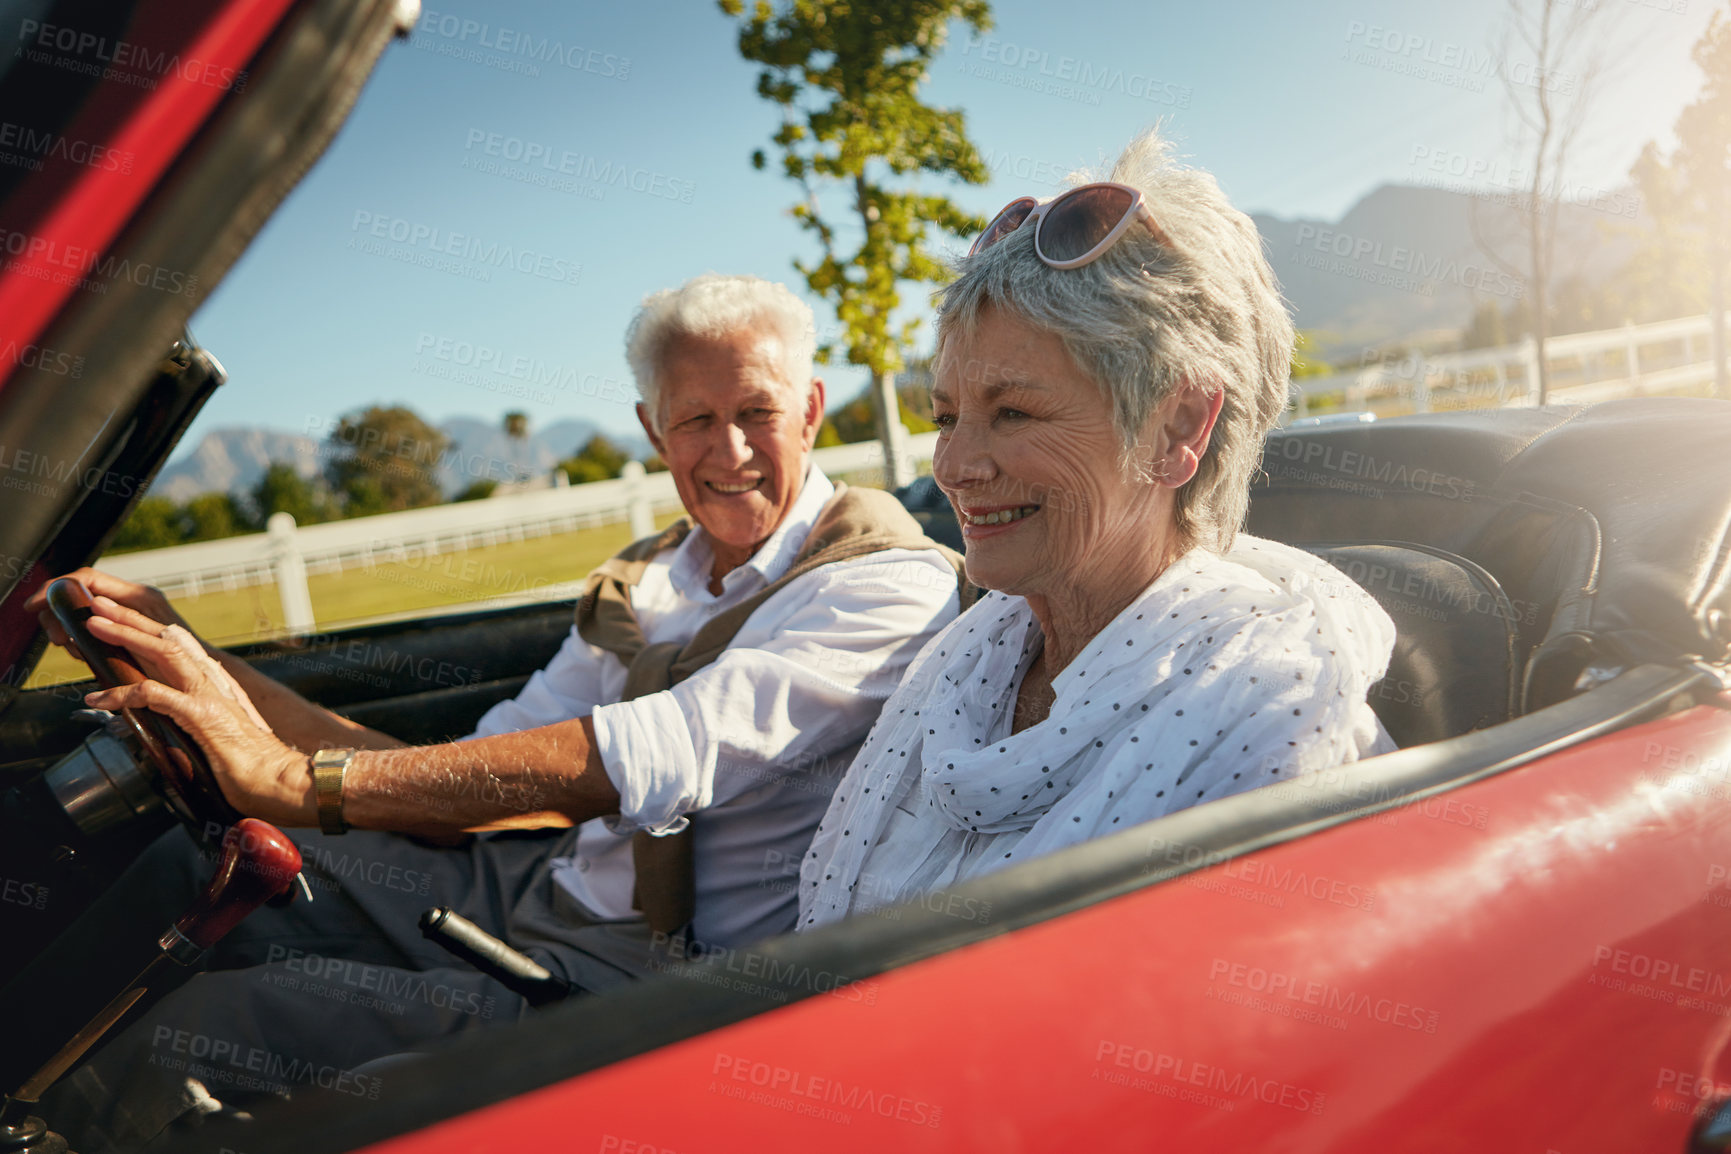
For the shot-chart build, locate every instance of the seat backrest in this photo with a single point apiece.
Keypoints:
(1456, 661)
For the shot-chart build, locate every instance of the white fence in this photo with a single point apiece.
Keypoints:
(1584, 367)
(288, 553)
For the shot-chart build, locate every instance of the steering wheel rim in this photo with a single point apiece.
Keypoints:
(175, 766)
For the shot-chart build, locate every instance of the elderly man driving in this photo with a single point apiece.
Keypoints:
(691, 729)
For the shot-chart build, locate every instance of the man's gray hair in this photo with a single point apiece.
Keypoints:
(1148, 317)
(713, 305)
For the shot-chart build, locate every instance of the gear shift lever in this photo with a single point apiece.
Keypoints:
(257, 863)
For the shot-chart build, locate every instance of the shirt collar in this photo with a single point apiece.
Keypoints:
(695, 556)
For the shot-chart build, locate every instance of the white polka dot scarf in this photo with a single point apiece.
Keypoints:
(1225, 674)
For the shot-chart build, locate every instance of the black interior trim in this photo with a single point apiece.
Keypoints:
(584, 1034)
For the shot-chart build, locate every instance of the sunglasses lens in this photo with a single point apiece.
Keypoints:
(1081, 220)
(1003, 225)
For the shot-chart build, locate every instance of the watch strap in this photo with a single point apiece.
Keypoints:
(329, 768)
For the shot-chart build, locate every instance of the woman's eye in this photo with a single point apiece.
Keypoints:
(1011, 414)
(944, 420)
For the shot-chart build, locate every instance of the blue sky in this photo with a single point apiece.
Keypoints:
(470, 154)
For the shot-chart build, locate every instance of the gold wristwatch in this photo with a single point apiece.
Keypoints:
(329, 766)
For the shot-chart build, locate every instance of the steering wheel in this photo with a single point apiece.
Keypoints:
(172, 762)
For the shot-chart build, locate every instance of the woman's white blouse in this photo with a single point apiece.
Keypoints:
(1228, 672)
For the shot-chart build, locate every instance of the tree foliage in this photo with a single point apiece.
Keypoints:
(283, 490)
(154, 523)
(1688, 194)
(846, 75)
(384, 460)
(599, 459)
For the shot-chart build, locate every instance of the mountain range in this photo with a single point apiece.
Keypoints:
(1405, 263)
(233, 459)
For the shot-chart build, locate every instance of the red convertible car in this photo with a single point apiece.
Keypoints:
(1513, 934)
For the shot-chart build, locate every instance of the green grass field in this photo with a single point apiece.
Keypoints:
(425, 583)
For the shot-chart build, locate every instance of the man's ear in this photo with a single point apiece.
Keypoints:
(649, 427)
(814, 410)
(1186, 424)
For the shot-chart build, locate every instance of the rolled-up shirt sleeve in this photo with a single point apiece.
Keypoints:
(781, 699)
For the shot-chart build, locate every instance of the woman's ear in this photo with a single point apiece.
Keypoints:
(1186, 422)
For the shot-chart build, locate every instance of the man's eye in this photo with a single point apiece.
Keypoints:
(1011, 414)
(944, 420)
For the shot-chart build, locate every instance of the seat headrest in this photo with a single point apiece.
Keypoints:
(1455, 666)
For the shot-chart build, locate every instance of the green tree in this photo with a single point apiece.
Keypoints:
(385, 460)
(1691, 192)
(209, 516)
(516, 427)
(846, 75)
(598, 460)
(154, 523)
(283, 490)
(477, 490)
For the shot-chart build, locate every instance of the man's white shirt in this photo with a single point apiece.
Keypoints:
(759, 738)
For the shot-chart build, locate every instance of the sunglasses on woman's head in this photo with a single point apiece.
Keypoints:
(1075, 228)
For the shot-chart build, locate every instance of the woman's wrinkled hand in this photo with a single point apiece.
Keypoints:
(145, 600)
(259, 775)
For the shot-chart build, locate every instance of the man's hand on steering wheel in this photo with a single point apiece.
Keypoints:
(258, 774)
(145, 600)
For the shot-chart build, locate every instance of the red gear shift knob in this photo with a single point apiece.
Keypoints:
(258, 862)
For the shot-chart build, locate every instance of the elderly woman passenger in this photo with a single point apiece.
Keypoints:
(1109, 364)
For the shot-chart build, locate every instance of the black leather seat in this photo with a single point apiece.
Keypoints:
(1456, 660)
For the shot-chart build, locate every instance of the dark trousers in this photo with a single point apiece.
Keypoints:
(297, 1001)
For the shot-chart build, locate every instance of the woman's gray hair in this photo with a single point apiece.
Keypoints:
(1148, 317)
(713, 305)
